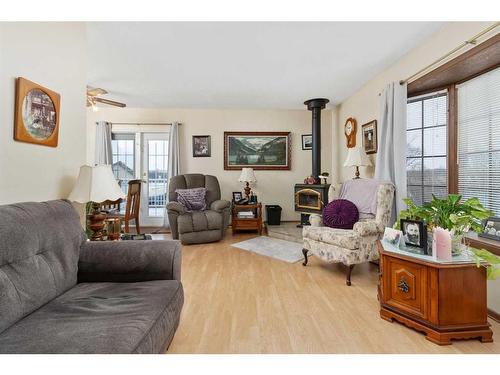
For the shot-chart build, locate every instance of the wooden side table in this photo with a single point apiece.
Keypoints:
(254, 223)
(444, 300)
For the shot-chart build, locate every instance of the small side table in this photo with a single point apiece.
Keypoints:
(253, 223)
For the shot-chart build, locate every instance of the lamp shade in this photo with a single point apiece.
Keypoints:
(247, 175)
(95, 184)
(357, 158)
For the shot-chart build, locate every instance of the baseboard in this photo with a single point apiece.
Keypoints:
(494, 315)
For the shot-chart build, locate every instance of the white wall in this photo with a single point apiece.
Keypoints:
(273, 187)
(364, 104)
(53, 55)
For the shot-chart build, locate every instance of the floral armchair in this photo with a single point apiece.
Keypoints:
(351, 246)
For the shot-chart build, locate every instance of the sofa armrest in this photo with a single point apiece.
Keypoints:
(219, 205)
(129, 261)
(368, 228)
(176, 207)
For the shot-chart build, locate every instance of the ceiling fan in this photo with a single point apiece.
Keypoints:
(93, 98)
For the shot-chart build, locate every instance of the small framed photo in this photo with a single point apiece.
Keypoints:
(370, 137)
(392, 236)
(491, 228)
(307, 142)
(201, 146)
(237, 196)
(414, 233)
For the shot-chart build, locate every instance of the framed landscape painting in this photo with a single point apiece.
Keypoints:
(36, 117)
(257, 150)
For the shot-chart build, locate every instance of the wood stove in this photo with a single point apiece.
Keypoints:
(313, 198)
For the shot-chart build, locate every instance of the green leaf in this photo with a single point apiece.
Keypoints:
(454, 199)
(486, 256)
(492, 273)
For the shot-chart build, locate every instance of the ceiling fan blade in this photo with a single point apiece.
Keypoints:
(94, 91)
(110, 102)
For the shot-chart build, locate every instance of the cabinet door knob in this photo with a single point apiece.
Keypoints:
(403, 286)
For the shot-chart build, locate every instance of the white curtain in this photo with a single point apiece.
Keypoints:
(173, 160)
(103, 148)
(391, 156)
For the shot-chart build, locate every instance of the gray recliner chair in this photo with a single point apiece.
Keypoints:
(193, 227)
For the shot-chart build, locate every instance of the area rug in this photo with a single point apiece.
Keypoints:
(286, 251)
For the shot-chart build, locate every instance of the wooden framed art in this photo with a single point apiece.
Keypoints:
(201, 146)
(257, 150)
(36, 116)
(369, 131)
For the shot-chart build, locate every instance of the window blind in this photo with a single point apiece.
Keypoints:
(479, 139)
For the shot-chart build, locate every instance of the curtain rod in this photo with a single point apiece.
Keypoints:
(471, 41)
(143, 123)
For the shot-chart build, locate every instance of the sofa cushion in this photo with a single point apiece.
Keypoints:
(344, 238)
(340, 213)
(197, 221)
(101, 318)
(39, 247)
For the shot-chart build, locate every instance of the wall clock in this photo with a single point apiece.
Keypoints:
(350, 128)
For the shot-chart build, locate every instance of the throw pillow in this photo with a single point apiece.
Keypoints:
(192, 199)
(340, 213)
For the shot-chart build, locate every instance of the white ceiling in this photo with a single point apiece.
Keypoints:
(243, 65)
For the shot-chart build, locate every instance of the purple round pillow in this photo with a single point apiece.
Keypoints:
(341, 214)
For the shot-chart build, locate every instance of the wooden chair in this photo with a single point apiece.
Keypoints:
(131, 209)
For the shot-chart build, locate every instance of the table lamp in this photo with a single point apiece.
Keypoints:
(247, 176)
(96, 184)
(357, 158)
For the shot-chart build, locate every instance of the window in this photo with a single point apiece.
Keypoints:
(157, 176)
(426, 138)
(123, 160)
(478, 122)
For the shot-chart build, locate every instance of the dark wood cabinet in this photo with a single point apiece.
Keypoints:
(444, 300)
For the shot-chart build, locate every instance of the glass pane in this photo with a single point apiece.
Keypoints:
(435, 111)
(157, 176)
(414, 143)
(414, 171)
(438, 191)
(415, 194)
(435, 172)
(435, 141)
(123, 163)
(414, 115)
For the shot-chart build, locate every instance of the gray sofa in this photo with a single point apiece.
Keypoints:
(62, 294)
(193, 227)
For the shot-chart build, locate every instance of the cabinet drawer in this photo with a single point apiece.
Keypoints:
(247, 224)
(405, 286)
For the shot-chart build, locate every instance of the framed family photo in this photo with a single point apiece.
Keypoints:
(369, 131)
(201, 146)
(491, 228)
(257, 150)
(307, 142)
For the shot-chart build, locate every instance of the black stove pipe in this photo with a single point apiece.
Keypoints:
(315, 106)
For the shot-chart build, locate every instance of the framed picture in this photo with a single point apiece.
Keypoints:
(370, 137)
(201, 146)
(414, 233)
(307, 142)
(491, 228)
(36, 116)
(237, 196)
(392, 236)
(258, 150)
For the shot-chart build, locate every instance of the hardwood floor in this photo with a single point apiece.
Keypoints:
(240, 302)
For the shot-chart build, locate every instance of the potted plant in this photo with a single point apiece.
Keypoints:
(452, 213)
